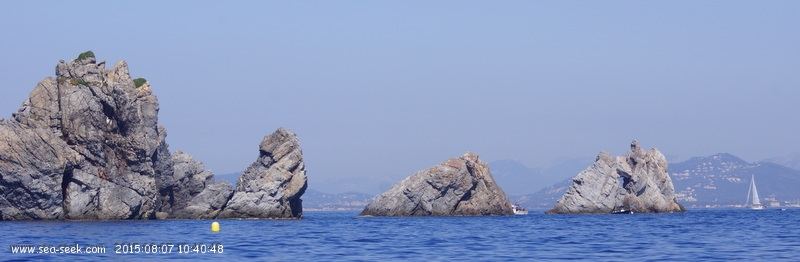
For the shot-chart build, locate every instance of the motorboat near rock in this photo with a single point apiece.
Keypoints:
(518, 210)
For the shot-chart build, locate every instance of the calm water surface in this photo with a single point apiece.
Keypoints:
(733, 234)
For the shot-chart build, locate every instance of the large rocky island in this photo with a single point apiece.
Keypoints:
(86, 145)
(637, 183)
(458, 187)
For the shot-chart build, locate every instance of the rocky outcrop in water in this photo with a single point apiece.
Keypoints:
(81, 147)
(188, 191)
(87, 145)
(458, 187)
(272, 185)
(637, 182)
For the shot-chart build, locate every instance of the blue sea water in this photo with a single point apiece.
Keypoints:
(698, 235)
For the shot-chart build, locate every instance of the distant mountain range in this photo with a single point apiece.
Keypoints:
(517, 179)
(712, 181)
(790, 161)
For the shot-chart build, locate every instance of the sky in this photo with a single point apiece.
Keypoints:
(377, 90)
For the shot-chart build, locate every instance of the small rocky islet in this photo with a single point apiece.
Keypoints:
(86, 145)
(635, 183)
(457, 187)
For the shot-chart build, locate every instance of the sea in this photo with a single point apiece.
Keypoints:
(697, 235)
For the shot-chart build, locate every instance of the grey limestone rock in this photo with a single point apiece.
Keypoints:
(190, 191)
(271, 187)
(32, 167)
(87, 145)
(637, 182)
(458, 187)
(101, 134)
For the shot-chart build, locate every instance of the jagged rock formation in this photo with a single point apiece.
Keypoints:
(458, 187)
(638, 182)
(272, 185)
(87, 145)
(86, 140)
(188, 191)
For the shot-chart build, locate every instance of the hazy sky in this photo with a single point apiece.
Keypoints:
(386, 88)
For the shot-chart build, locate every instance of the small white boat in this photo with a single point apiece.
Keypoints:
(622, 211)
(518, 210)
(754, 204)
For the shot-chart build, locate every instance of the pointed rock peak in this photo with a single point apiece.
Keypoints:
(279, 143)
(120, 74)
(120, 68)
(278, 135)
(636, 152)
(283, 132)
(634, 144)
(470, 157)
(604, 157)
(121, 64)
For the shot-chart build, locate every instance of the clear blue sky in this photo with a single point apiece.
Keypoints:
(386, 88)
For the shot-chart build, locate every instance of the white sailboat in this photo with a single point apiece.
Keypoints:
(754, 203)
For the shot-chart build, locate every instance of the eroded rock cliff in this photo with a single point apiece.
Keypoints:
(458, 187)
(272, 185)
(87, 145)
(81, 147)
(637, 182)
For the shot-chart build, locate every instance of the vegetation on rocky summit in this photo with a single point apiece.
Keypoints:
(85, 55)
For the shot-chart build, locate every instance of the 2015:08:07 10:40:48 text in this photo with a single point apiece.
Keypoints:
(167, 248)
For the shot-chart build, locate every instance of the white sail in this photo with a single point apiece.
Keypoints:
(755, 192)
(755, 203)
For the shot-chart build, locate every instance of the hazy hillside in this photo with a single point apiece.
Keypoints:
(545, 198)
(790, 161)
(318, 201)
(517, 179)
(723, 179)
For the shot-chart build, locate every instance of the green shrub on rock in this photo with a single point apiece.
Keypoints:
(85, 55)
(139, 82)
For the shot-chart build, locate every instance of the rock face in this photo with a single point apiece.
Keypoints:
(188, 191)
(637, 182)
(87, 145)
(272, 185)
(458, 187)
(82, 147)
